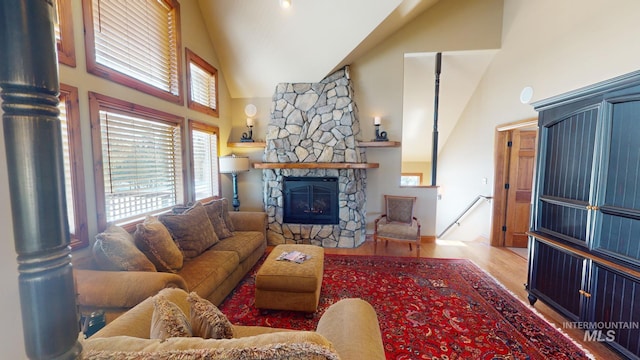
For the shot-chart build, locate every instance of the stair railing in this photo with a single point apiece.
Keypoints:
(466, 210)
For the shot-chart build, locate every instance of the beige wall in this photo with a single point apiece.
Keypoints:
(194, 36)
(378, 82)
(580, 42)
(418, 167)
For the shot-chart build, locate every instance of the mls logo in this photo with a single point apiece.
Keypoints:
(600, 335)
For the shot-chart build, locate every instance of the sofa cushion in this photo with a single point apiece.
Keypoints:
(244, 243)
(114, 250)
(218, 212)
(207, 321)
(191, 230)
(209, 270)
(155, 241)
(168, 320)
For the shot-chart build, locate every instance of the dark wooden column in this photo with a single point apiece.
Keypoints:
(29, 82)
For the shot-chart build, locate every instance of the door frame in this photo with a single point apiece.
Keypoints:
(501, 175)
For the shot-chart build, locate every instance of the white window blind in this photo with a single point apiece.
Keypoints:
(139, 39)
(205, 164)
(203, 86)
(142, 166)
(66, 152)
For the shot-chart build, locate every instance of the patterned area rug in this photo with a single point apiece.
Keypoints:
(427, 309)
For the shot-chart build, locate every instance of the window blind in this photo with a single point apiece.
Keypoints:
(205, 164)
(139, 39)
(142, 165)
(66, 152)
(203, 86)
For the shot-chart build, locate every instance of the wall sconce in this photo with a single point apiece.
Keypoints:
(233, 165)
(380, 136)
(251, 111)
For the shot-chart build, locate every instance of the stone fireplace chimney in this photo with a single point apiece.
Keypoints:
(312, 133)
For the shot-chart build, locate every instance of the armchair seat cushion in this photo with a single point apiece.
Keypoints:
(398, 231)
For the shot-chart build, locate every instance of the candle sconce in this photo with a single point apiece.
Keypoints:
(380, 135)
(250, 110)
(247, 136)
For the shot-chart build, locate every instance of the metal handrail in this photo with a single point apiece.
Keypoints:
(456, 221)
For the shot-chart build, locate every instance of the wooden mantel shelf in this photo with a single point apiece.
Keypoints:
(379, 144)
(316, 165)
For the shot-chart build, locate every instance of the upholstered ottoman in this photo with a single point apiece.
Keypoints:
(286, 285)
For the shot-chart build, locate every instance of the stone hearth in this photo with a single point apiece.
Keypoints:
(316, 123)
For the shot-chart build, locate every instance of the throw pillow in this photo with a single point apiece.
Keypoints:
(207, 321)
(217, 210)
(114, 250)
(168, 320)
(292, 351)
(192, 230)
(153, 238)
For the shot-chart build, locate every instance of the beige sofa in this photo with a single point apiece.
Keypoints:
(347, 330)
(213, 274)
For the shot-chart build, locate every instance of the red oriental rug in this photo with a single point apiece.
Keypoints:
(427, 309)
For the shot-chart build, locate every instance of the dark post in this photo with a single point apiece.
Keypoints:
(434, 153)
(29, 82)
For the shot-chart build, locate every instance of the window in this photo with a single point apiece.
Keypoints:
(138, 151)
(135, 43)
(202, 85)
(64, 33)
(204, 157)
(73, 169)
(411, 179)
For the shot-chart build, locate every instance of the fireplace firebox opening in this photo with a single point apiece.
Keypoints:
(310, 200)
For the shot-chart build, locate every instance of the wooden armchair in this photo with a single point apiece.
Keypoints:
(398, 223)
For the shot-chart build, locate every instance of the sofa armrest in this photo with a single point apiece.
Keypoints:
(352, 327)
(117, 291)
(249, 221)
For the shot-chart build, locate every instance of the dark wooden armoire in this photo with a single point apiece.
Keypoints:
(584, 243)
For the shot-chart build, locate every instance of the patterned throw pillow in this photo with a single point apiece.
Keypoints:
(218, 210)
(168, 320)
(207, 321)
(153, 238)
(192, 230)
(114, 250)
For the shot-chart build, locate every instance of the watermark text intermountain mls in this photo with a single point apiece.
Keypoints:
(601, 331)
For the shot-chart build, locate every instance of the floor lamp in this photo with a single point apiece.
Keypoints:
(233, 165)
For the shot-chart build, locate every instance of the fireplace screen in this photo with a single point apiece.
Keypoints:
(310, 200)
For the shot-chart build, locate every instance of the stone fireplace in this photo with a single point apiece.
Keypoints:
(312, 133)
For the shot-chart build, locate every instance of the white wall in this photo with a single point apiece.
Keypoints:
(552, 46)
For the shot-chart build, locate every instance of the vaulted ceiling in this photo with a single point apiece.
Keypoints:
(261, 44)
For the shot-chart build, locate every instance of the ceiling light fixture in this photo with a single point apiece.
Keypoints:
(285, 4)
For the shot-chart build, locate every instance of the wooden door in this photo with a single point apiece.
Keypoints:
(521, 164)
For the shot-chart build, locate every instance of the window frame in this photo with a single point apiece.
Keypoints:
(69, 95)
(192, 57)
(213, 130)
(98, 102)
(93, 67)
(65, 46)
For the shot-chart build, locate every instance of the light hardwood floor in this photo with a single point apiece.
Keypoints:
(506, 266)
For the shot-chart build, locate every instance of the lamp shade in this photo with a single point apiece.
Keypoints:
(233, 164)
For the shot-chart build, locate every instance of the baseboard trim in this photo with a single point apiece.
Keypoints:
(427, 239)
